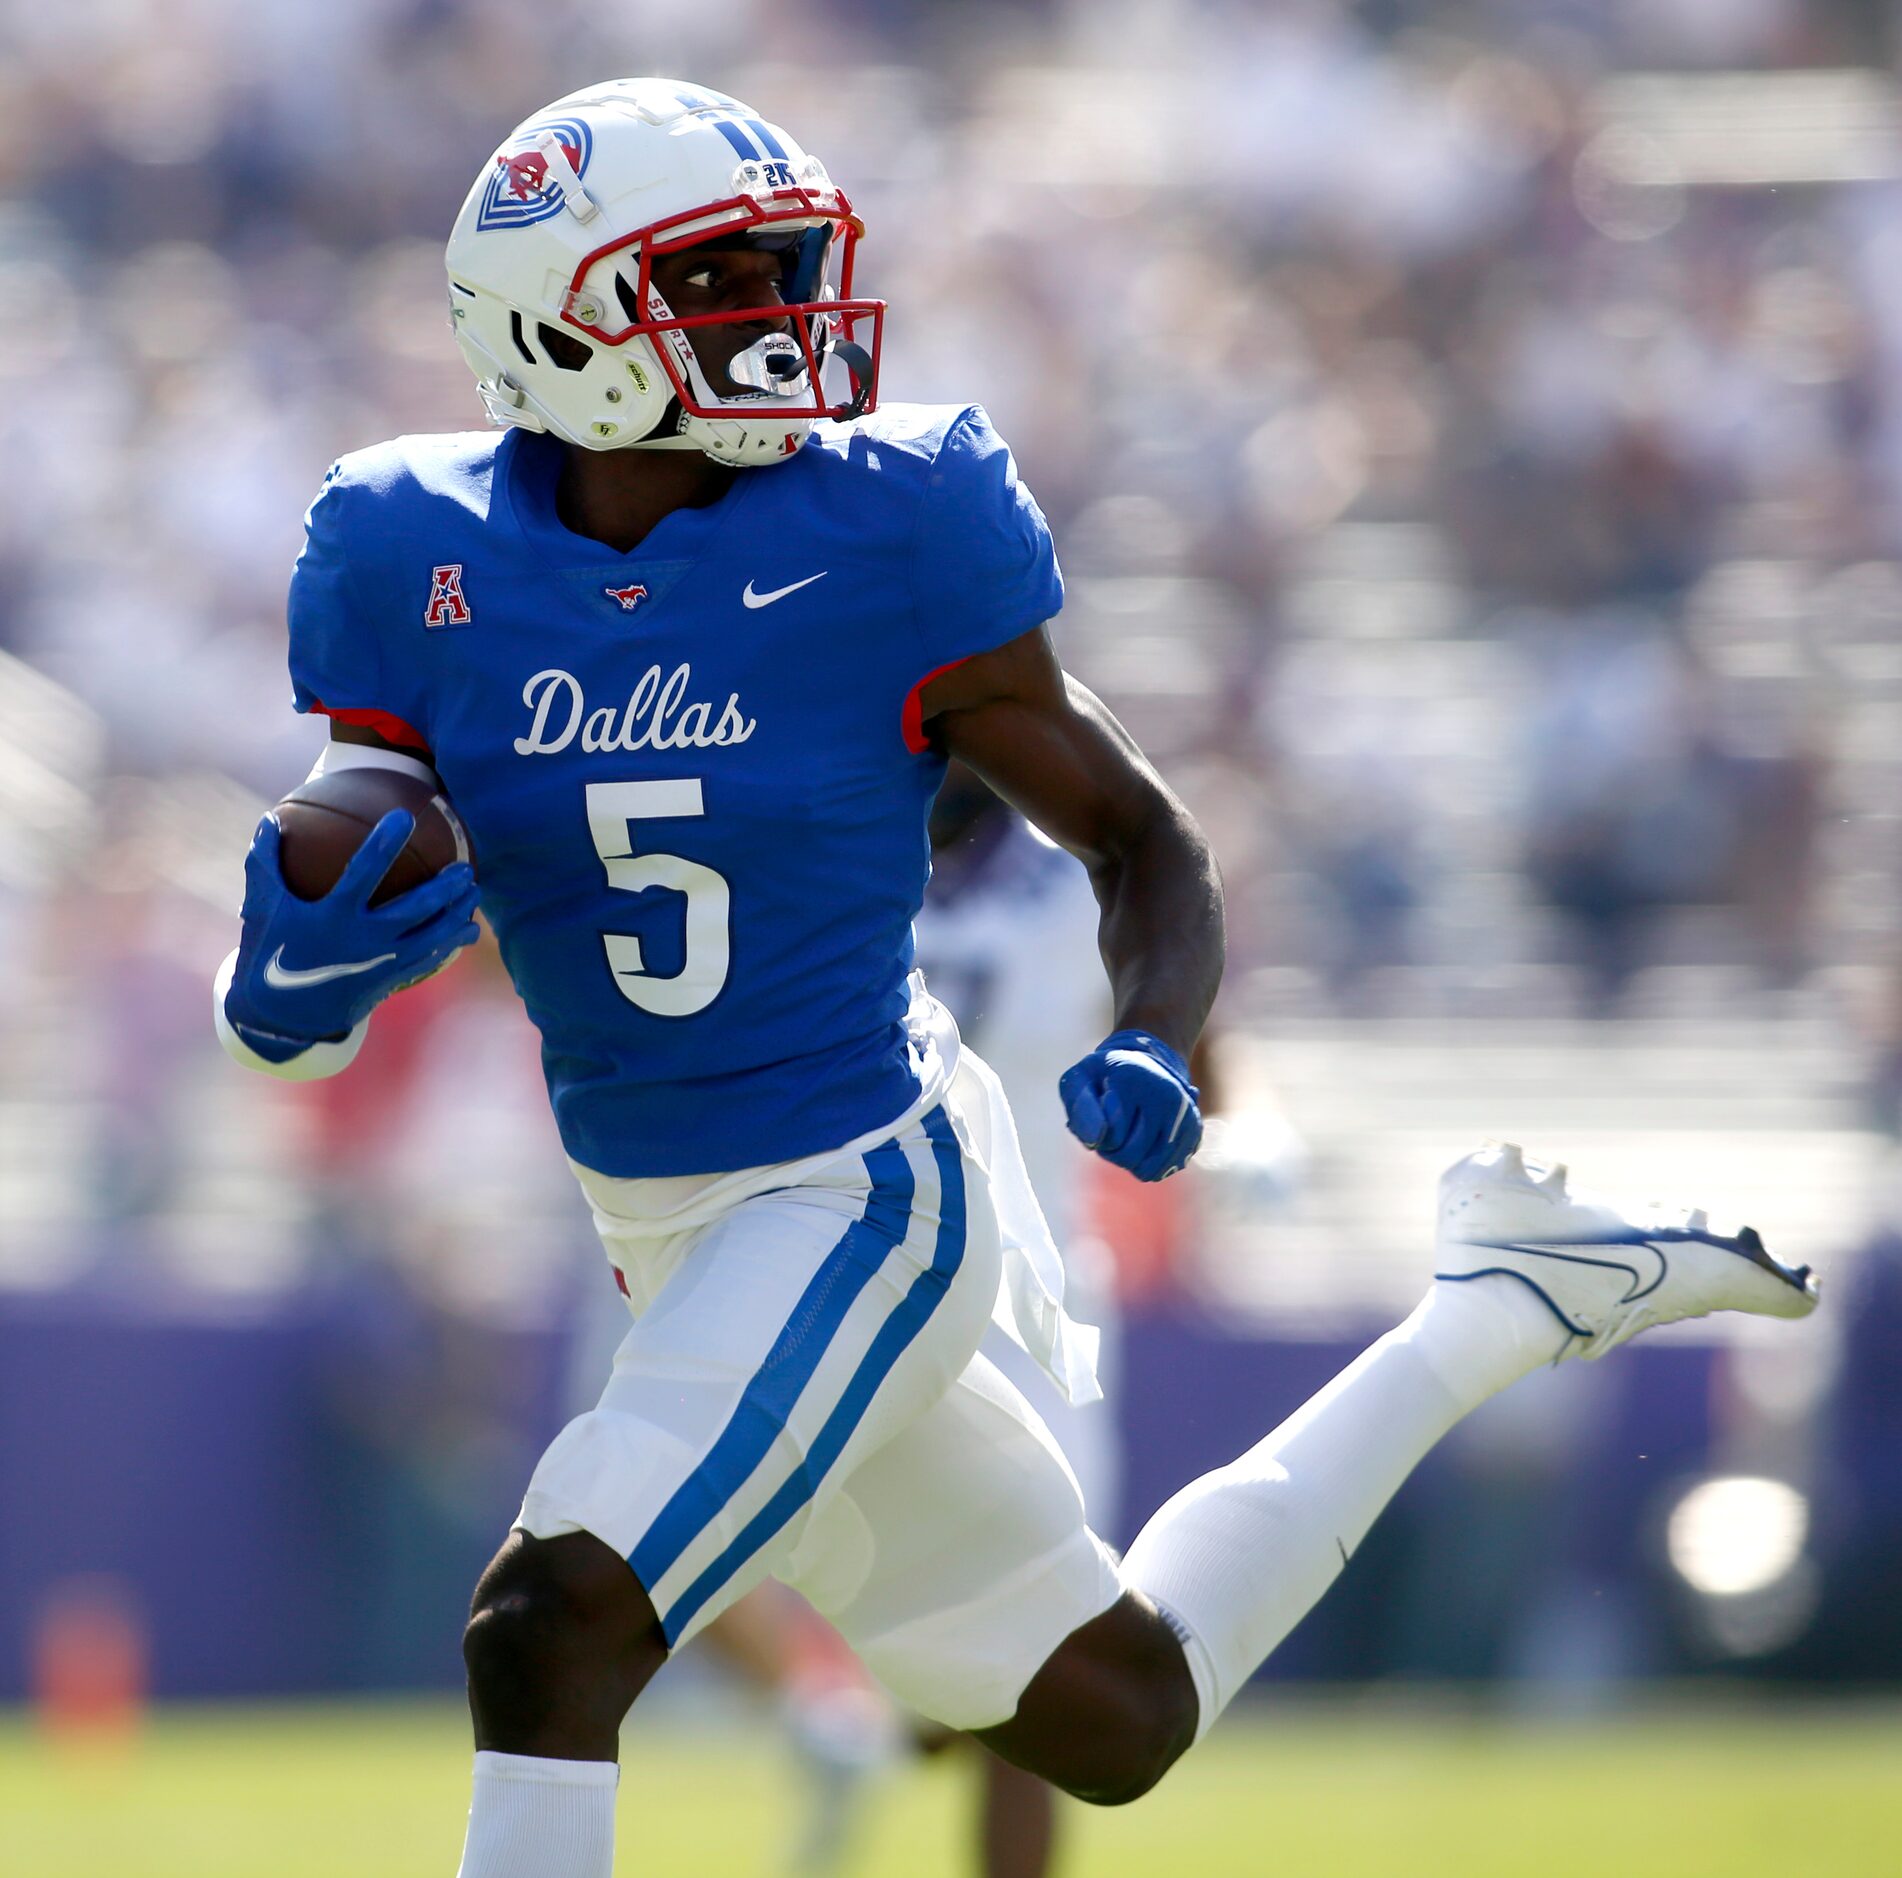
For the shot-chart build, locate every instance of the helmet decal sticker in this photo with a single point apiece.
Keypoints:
(518, 192)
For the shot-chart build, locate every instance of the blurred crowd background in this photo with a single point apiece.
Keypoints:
(1472, 435)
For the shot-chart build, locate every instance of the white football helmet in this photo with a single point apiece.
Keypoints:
(553, 300)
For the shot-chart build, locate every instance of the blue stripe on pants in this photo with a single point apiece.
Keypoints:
(763, 1409)
(895, 1336)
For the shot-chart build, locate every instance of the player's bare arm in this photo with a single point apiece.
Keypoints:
(1052, 749)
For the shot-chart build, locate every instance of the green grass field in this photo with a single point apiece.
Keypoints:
(1330, 1791)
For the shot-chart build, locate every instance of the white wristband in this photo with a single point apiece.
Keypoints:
(310, 1064)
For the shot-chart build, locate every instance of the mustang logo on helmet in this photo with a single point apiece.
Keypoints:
(518, 192)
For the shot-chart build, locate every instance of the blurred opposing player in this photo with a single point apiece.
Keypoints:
(688, 648)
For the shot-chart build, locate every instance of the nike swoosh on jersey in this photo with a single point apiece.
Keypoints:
(287, 978)
(779, 593)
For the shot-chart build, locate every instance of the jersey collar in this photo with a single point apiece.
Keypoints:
(530, 468)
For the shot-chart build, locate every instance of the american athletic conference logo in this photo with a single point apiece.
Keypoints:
(517, 191)
(447, 604)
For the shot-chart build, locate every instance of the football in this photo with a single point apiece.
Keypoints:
(323, 822)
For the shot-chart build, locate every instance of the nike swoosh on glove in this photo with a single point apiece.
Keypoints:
(312, 970)
(1132, 1101)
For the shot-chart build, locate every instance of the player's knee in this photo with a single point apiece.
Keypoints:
(511, 1640)
(559, 1620)
(1109, 1714)
(1136, 1740)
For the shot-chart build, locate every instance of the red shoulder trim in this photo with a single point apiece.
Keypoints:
(911, 720)
(390, 729)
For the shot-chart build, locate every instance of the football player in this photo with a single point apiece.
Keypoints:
(688, 646)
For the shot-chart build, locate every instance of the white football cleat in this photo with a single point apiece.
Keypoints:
(1605, 1274)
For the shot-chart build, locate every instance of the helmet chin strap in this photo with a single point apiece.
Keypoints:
(858, 362)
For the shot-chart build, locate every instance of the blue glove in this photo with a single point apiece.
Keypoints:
(1132, 1101)
(312, 970)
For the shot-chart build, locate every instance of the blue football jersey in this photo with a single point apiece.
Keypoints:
(693, 775)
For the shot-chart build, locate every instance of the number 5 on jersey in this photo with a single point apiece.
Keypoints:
(613, 808)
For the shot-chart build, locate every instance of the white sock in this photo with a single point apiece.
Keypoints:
(532, 1818)
(1239, 1557)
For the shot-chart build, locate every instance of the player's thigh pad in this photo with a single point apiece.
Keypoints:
(783, 1343)
(957, 1557)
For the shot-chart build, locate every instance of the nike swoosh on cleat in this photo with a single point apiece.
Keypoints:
(779, 593)
(284, 977)
(1646, 1274)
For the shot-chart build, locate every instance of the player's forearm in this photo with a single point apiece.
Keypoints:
(1162, 929)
